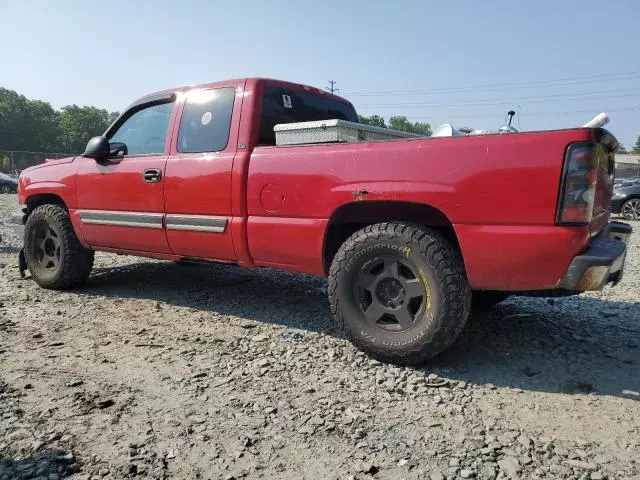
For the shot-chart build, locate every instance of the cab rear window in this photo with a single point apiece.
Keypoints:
(282, 105)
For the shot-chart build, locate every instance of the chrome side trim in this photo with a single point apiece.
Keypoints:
(197, 223)
(120, 223)
(121, 219)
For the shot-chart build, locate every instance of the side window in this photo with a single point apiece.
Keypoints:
(206, 120)
(145, 131)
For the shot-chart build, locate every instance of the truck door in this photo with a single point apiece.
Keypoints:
(120, 200)
(199, 173)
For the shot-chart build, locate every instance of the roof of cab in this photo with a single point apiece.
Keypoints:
(250, 81)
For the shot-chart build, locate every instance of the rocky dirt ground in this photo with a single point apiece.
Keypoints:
(157, 370)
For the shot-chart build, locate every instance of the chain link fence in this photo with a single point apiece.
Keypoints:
(627, 170)
(12, 162)
(627, 165)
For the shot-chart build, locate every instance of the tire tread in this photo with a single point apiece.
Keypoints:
(77, 262)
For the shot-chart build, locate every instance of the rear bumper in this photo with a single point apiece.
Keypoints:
(601, 263)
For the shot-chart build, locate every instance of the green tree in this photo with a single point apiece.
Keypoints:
(373, 120)
(27, 124)
(35, 126)
(401, 123)
(79, 124)
(636, 147)
(621, 149)
(5, 164)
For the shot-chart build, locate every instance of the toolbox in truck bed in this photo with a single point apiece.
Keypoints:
(327, 131)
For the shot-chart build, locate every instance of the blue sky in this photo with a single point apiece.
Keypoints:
(558, 63)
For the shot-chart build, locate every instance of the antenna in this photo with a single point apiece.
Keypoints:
(507, 128)
(510, 114)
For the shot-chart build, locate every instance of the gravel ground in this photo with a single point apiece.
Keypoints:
(159, 370)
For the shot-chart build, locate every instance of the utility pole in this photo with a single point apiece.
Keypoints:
(332, 87)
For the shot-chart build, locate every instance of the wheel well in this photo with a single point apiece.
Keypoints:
(35, 201)
(352, 217)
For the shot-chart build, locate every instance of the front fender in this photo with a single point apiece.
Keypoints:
(31, 190)
(58, 179)
(54, 184)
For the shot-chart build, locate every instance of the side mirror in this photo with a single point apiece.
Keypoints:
(97, 148)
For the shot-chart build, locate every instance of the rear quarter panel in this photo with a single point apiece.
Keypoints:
(478, 182)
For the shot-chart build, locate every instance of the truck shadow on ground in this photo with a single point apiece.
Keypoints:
(57, 463)
(575, 345)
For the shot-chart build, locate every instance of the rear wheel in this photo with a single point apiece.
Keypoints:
(399, 292)
(631, 209)
(54, 256)
(5, 189)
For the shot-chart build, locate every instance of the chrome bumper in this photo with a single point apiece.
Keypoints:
(602, 262)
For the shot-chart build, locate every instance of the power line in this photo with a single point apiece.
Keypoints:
(332, 87)
(538, 114)
(493, 101)
(529, 84)
(533, 83)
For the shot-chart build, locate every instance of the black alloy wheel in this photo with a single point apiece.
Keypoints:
(390, 293)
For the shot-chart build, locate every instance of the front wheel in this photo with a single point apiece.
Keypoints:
(53, 253)
(399, 292)
(5, 189)
(631, 209)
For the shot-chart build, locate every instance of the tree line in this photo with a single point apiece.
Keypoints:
(397, 123)
(635, 149)
(35, 126)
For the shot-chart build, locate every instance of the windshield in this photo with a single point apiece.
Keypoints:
(283, 105)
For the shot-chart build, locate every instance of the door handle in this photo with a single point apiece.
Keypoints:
(152, 175)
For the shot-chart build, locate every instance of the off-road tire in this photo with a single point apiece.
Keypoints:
(484, 301)
(442, 272)
(75, 262)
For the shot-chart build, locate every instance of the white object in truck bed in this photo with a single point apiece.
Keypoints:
(598, 121)
(328, 131)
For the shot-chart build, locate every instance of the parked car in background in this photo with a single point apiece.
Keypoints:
(626, 201)
(623, 182)
(8, 184)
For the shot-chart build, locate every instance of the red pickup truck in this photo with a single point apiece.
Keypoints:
(408, 231)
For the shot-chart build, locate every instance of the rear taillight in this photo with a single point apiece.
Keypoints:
(579, 184)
